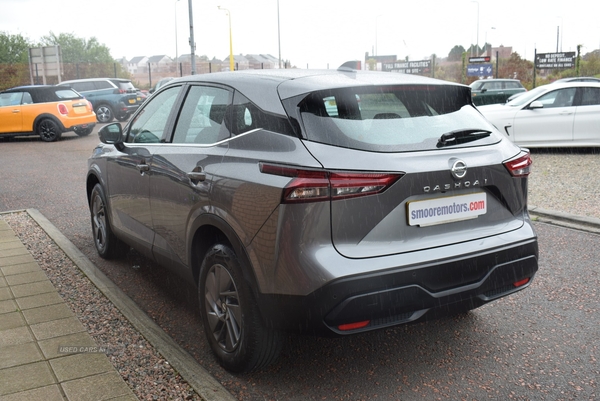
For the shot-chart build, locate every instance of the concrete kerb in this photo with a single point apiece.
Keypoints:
(582, 223)
(192, 372)
(196, 376)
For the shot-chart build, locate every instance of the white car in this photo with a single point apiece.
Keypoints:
(555, 115)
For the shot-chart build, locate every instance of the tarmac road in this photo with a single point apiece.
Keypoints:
(542, 343)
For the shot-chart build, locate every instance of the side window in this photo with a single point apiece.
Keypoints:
(558, 98)
(26, 98)
(83, 86)
(103, 85)
(246, 116)
(590, 96)
(202, 116)
(149, 125)
(10, 99)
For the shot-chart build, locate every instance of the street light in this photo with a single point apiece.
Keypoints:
(376, 31)
(176, 52)
(475, 1)
(231, 65)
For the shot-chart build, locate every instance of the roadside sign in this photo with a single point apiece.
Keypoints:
(408, 67)
(555, 60)
(483, 59)
(480, 70)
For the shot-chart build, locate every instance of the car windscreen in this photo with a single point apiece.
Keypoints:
(390, 118)
(526, 97)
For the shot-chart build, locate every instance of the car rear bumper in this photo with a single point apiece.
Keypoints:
(83, 127)
(402, 295)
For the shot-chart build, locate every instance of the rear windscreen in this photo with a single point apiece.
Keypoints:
(390, 118)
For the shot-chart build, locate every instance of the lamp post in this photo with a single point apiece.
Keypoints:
(559, 33)
(192, 42)
(278, 34)
(176, 52)
(376, 32)
(231, 63)
(475, 1)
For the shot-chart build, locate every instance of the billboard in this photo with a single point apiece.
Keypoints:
(422, 67)
(555, 60)
(45, 62)
(480, 70)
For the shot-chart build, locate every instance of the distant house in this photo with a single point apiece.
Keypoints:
(262, 61)
(160, 63)
(136, 63)
(503, 52)
(240, 63)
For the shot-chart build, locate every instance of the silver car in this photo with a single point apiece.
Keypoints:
(325, 202)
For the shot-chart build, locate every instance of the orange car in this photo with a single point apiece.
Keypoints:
(47, 111)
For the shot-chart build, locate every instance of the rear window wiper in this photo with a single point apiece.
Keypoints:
(462, 136)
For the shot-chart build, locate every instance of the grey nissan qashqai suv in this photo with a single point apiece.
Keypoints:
(326, 202)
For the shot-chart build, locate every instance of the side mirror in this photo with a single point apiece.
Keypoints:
(536, 105)
(112, 134)
(483, 90)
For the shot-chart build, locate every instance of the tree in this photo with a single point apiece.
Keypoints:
(13, 48)
(13, 60)
(78, 50)
(456, 53)
(84, 58)
(517, 68)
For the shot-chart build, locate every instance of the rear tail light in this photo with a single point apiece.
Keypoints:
(89, 104)
(62, 109)
(520, 166)
(322, 185)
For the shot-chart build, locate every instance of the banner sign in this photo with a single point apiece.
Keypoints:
(408, 67)
(555, 60)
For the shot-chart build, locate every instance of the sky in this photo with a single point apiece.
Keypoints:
(311, 33)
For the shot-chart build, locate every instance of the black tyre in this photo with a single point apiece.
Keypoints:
(48, 130)
(107, 244)
(104, 113)
(232, 323)
(84, 132)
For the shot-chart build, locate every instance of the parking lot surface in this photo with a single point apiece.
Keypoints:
(541, 343)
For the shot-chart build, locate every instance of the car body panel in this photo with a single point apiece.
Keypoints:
(493, 91)
(22, 107)
(230, 152)
(550, 122)
(119, 94)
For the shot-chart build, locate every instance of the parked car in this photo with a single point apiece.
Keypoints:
(553, 115)
(291, 207)
(491, 91)
(111, 97)
(160, 83)
(578, 79)
(47, 111)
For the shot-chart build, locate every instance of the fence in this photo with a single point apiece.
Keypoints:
(144, 77)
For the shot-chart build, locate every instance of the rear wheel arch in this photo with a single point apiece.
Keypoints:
(209, 230)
